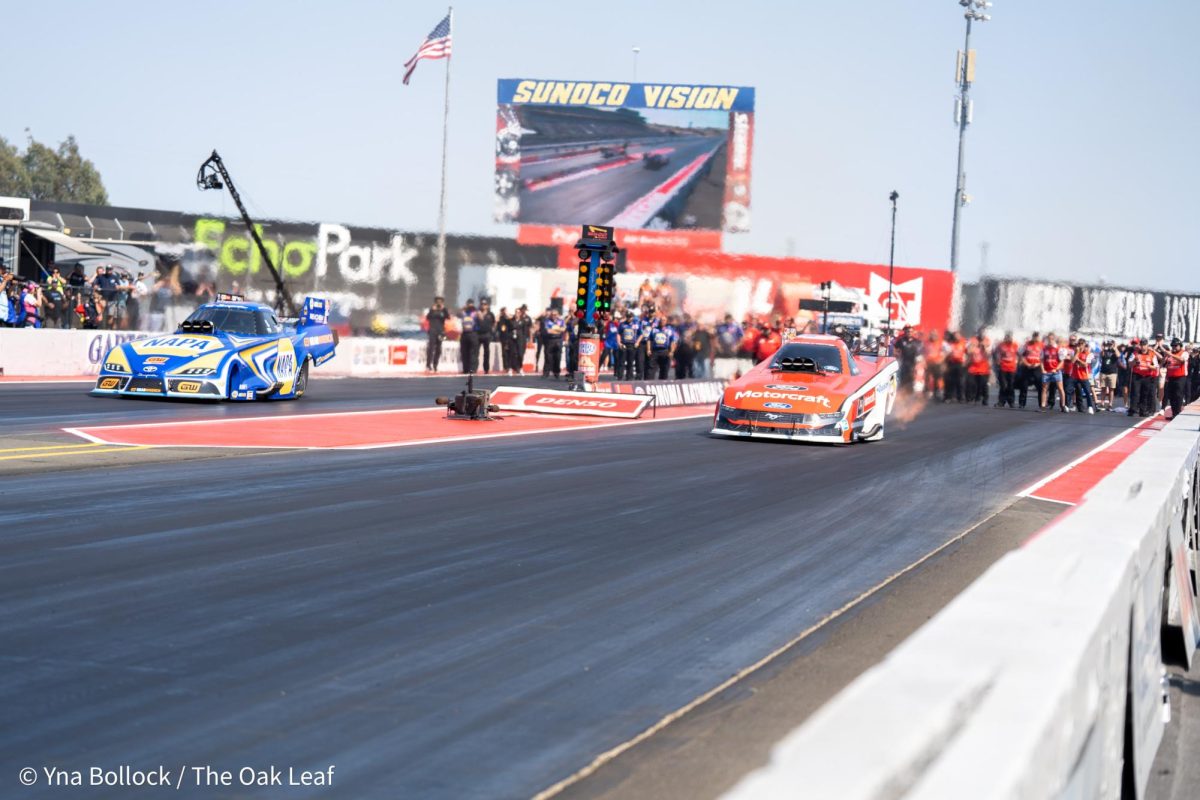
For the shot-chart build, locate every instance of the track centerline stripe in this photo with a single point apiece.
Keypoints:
(74, 446)
(92, 451)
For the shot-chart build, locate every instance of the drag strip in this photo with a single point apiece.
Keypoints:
(478, 620)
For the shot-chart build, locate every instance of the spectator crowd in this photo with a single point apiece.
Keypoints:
(647, 340)
(109, 298)
(1067, 373)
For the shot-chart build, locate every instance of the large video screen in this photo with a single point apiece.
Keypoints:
(629, 155)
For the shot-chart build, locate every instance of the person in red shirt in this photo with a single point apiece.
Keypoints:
(751, 332)
(1029, 371)
(978, 368)
(956, 358)
(1143, 387)
(1080, 369)
(1052, 375)
(1176, 363)
(1006, 358)
(770, 342)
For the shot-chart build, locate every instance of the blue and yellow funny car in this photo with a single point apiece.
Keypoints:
(227, 350)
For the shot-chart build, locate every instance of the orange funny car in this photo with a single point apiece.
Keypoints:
(812, 390)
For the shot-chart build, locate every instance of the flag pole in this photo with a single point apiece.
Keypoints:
(439, 275)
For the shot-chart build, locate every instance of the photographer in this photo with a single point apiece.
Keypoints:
(1176, 369)
(33, 304)
(1111, 364)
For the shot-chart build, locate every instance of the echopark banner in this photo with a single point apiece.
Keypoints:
(605, 94)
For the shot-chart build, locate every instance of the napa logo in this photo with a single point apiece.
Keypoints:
(176, 345)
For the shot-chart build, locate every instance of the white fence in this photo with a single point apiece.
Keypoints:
(1022, 686)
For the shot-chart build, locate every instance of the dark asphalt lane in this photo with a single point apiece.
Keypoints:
(605, 195)
(472, 620)
(541, 169)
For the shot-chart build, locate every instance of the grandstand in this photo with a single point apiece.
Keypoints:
(550, 126)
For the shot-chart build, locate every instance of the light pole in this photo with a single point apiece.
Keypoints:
(962, 113)
(636, 50)
(894, 196)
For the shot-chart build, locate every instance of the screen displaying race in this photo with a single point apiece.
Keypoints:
(629, 155)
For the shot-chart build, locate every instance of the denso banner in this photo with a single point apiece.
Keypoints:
(670, 393)
(550, 401)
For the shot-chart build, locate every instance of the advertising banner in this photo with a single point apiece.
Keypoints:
(550, 401)
(629, 155)
(1094, 311)
(669, 393)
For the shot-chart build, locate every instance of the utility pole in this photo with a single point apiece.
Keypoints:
(965, 76)
(636, 50)
(894, 196)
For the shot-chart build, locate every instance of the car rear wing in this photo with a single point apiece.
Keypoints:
(315, 311)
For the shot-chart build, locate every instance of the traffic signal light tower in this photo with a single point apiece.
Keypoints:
(597, 276)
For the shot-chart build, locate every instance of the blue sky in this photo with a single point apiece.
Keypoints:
(1082, 162)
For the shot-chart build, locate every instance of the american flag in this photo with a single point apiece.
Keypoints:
(436, 45)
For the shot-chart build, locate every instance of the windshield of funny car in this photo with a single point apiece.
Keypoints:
(243, 321)
(827, 357)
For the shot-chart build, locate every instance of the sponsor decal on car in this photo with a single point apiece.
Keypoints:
(149, 369)
(190, 387)
(109, 383)
(156, 360)
(753, 394)
(784, 387)
(776, 405)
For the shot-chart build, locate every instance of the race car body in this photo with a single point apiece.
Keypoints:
(227, 350)
(812, 389)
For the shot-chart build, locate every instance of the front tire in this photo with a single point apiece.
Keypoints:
(875, 437)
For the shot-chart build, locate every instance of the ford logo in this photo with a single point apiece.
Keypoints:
(777, 405)
(783, 387)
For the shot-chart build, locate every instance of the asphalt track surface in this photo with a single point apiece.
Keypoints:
(477, 619)
(602, 196)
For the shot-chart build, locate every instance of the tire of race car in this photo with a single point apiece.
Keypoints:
(301, 381)
(233, 374)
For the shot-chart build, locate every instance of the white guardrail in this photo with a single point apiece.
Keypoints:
(1022, 687)
(26, 352)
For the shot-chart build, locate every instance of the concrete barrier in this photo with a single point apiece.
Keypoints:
(1024, 684)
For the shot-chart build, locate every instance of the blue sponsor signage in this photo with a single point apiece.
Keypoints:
(613, 94)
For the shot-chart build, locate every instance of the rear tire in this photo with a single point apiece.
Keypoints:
(301, 381)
